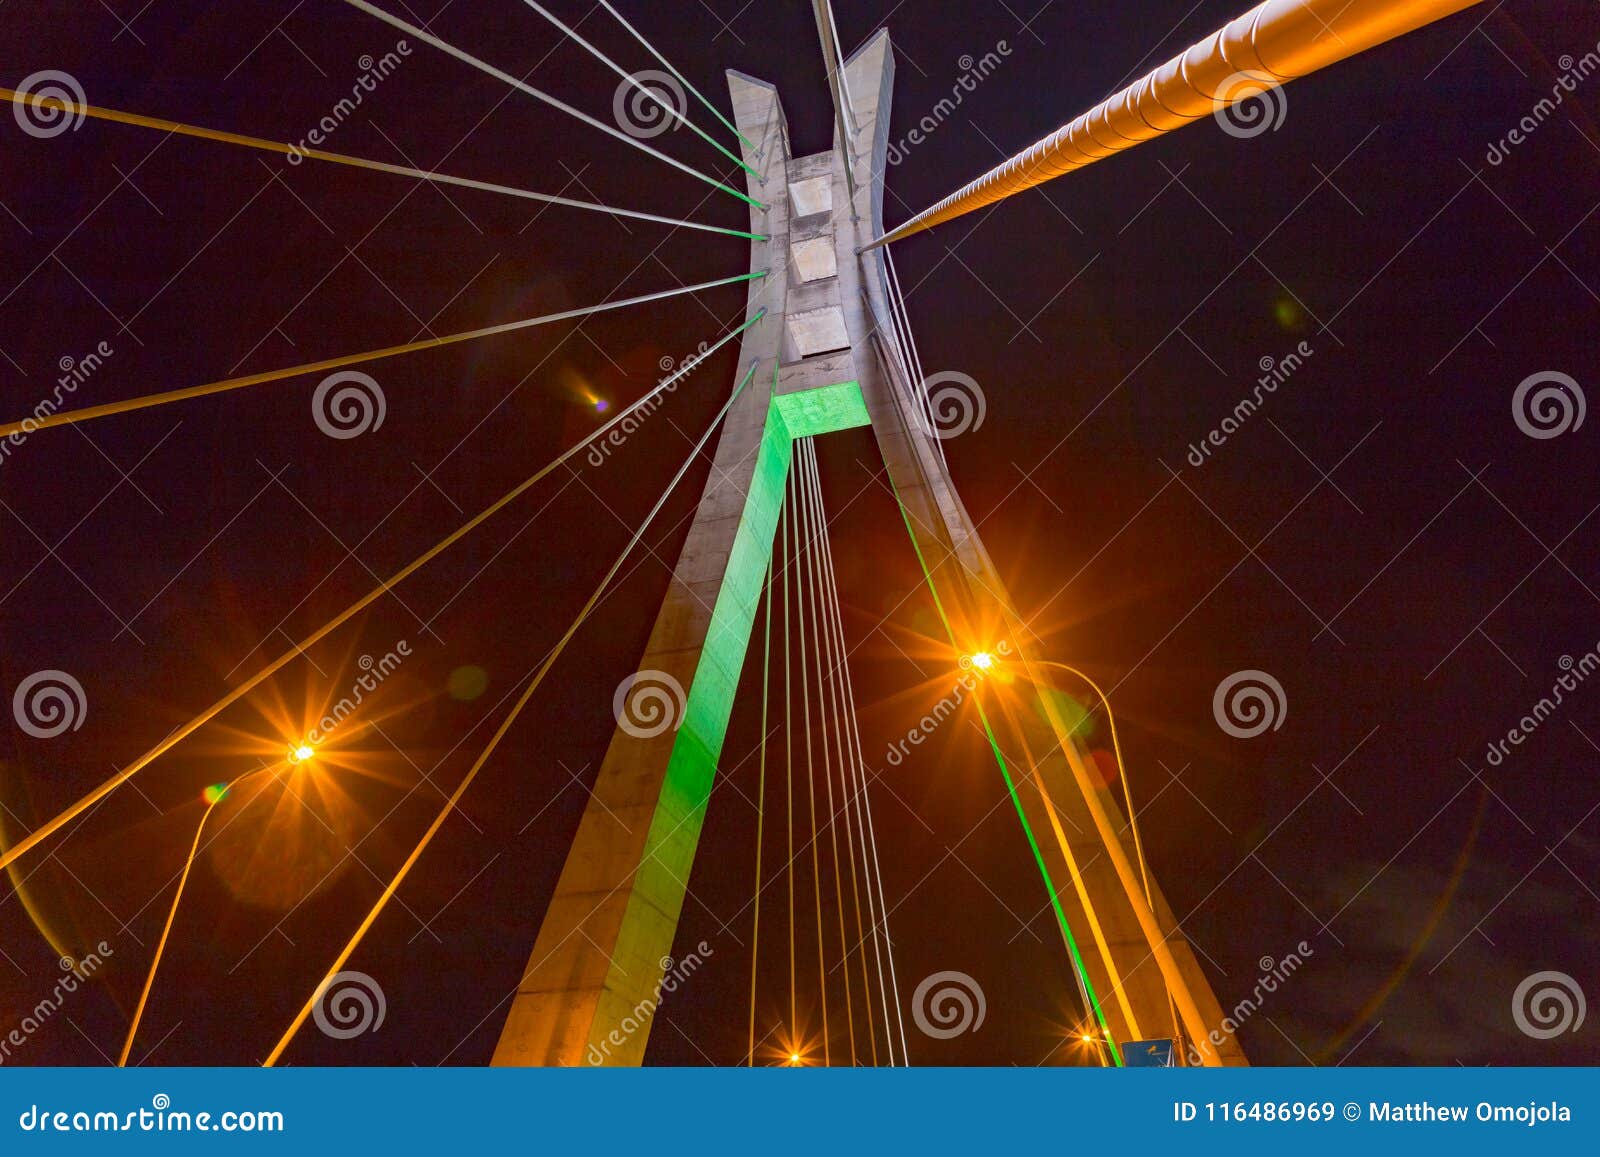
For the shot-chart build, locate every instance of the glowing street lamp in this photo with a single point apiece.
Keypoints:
(980, 663)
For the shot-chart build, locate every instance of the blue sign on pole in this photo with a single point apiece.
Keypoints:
(1147, 1054)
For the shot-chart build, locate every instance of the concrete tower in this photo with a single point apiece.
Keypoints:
(823, 360)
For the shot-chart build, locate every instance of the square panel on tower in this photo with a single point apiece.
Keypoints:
(818, 331)
(814, 258)
(811, 196)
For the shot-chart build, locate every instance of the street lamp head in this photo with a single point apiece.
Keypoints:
(981, 661)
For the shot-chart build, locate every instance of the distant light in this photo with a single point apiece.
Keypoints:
(467, 683)
(794, 1058)
(301, 753)
(216, 793)
(982, 660)
(1087, 1039)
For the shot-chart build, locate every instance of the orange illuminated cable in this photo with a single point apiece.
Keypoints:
(67, 417)
(1122, 771)
(500, 732)
(785, 516)
(23, 846)
(296, 153)
(1133, 812)
(1080, 885)
(1149, 924)
(1266, 47)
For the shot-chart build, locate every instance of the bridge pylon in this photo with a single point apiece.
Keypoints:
(825, 358)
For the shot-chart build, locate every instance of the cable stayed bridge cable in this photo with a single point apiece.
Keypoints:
(811, 784)
(1016, 800)
(1133, 812)
(676, 75)
(68, 417)
(534, 683)
(1271, 44)
(522, 86)
(298, 152)
(177, 735)
(865, 828)
(828, 663)
(638, 85)
(839, 711)
(803, 452)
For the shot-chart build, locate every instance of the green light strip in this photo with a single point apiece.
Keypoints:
(661, 880)
(1011, 788)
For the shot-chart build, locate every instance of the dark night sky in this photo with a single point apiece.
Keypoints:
(1381, 537)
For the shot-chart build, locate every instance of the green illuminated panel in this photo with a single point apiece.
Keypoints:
(823, 410)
